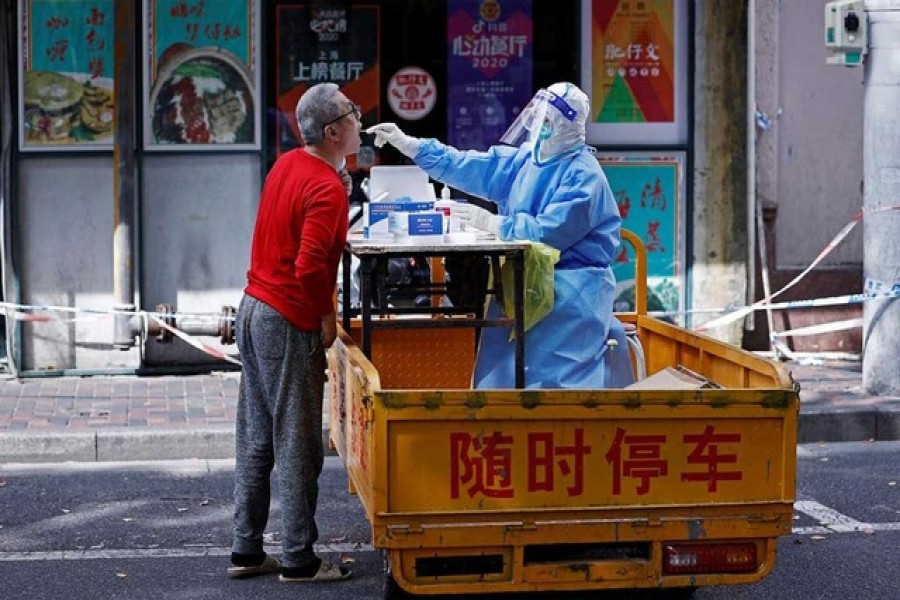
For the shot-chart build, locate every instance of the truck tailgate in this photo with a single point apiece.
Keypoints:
(513, 490)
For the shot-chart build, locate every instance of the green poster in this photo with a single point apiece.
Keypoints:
(66, 74)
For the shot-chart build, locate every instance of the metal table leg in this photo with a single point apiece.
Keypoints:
(365, 303)
(347, 262)
(519, 302)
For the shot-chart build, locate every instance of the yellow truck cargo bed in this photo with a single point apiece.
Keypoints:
(481, 491)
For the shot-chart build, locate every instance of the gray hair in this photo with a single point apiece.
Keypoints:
(317, 106)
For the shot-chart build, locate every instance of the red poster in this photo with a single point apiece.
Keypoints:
(633, 57)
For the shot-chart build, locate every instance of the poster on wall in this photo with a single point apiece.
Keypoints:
(649, 190)
(489, 65)
(412, 93)
(201, 75)
(66, 75)
(315, 45)
(634, 69)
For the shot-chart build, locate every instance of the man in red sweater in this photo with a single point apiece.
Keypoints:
(284, 324)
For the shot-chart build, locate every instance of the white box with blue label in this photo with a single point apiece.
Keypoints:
(379, 212)
(416, 223)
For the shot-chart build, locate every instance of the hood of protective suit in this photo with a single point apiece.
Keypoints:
(552, 123)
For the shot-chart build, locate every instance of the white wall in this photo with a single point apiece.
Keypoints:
(195, 228)
(64, 237)
(198, 215)
(819, 142)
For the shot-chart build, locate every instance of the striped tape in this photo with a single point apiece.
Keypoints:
(106, 312)
(765, 302)
(810, 303)
(33, 313)
(196, 343)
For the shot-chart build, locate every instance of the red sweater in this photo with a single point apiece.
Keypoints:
(301, 228)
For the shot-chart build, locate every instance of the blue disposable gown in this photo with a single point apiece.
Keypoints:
(566, 203)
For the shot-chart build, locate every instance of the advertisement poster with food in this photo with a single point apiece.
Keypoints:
(201, 75)
(315, 45)
(66, 75)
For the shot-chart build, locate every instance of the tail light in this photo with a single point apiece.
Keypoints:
(689, 559)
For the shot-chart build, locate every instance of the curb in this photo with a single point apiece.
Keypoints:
(816, 424)
(888, 426)
(59, 446)
(836, 424)
(115, 445)
(877, 422)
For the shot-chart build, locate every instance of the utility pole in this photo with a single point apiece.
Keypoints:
(854, 28)
(124, 190)
(881, 180)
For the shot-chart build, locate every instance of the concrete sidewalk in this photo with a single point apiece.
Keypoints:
(118, 418)
(192, 416)
(835, 408)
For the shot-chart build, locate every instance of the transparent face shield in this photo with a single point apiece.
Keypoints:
(542, 112)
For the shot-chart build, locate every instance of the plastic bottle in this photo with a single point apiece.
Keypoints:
(365, 219)
(443, 205)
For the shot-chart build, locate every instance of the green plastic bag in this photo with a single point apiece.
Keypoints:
(539, 262)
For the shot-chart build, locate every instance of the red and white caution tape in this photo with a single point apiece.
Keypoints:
(28, 317)
(195, 342)
(32, 318)
(33, 313)
(100, 312)
(764, 303)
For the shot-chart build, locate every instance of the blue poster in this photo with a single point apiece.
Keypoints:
(201, 23)
(489, 64)
(71, 36)
(647, 194)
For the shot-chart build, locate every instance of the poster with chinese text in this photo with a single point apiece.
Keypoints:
(633, 46)
(489, 66)
(317, 45)
(66, 75)
(633, 68)
(570, 463)
(201, 75)
(649, 191)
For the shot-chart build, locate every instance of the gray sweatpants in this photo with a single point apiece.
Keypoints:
(279, 421)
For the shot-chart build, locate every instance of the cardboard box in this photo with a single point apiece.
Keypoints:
(673, 379)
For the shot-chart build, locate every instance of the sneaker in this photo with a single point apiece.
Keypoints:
(326, 572)
(241, 566)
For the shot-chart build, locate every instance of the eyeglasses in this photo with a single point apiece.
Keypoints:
(354, 110)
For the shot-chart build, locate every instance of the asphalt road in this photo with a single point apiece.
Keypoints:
(161, 530)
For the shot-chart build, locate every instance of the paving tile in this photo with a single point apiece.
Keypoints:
(79, 403)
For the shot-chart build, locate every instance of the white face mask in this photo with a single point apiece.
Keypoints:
(343, 164)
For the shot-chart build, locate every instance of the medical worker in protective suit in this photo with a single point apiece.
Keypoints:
(549, 188)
